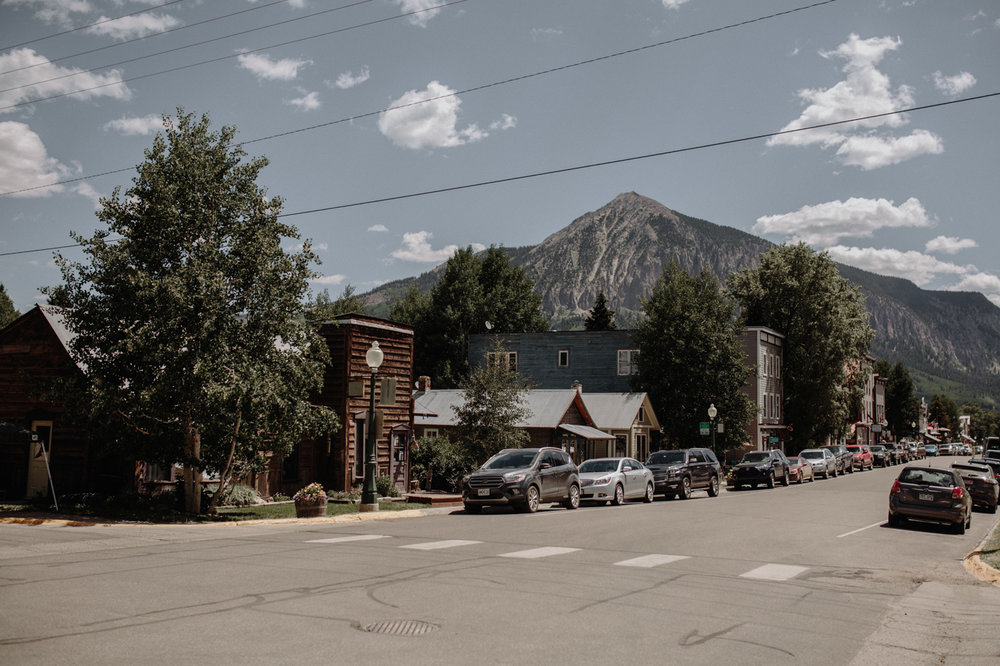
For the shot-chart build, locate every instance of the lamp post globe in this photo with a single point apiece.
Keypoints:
(369, 492)
(712, 413)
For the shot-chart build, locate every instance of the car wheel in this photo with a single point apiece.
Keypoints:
(895, 521)
(784, 479)
(619, 497)
(770, 480)
(473, 508)
(713, 487)
(684, 491)
(959, 527)
(531, 499)
(573, 501)
(648, 497)
(993, 509)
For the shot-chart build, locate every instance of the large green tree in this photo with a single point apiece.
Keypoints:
(476, 294)
(188, 314)
(323, 308)
(943, 411)
(902, 407)
(600, 317)
(8, 312)
(799, 293)
(690, 357)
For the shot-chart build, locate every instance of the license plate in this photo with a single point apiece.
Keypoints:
(483, 492)
(925, 497)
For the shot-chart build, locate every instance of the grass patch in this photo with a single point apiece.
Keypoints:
(287, 510)
(990, 553)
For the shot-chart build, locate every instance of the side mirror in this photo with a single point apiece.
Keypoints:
(544, 465)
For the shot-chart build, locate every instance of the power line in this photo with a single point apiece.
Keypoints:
(593, 165)
(167, 51)
(232, 55)
(469, 90)
(92, 25)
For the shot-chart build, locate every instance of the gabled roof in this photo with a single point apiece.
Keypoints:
(618, 411)
(546, 407)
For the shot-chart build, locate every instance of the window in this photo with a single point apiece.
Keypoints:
(430, 432)
(563, 358)
(628, 361)
(642, 415)
(764, 365)
(503, 358)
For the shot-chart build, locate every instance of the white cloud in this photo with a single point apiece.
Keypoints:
(949, 244)
(133, 126)
(53, 11)
(25, 163)
(129, 27)
(86, 190)
(378, 228)
(953, 85)
(333, 280)
(417, 247)
(350, 79)
(827, 223)
(988, 285)
(427, 119)
(546, 33)
(915, 266)
(264, 67)
(505, 123)
(865, 91)
(427, 9)
(308, 102)
(673, 4)
(37, 78)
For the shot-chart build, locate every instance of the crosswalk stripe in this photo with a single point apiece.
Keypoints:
(435, 545)
(534, 553)
(649, 561)
(774, 572)
(357, 537)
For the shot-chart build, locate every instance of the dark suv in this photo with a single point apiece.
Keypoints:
(677, 473)
(523, 478)
(761, 467)
(845, 459)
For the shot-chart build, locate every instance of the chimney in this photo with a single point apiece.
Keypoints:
(578, 386)
(423, 383)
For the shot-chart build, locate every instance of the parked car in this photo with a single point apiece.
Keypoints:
(844, 458)
(523, 478)
(930, 494)
(883, 457)
(930, 450)
(862, 456)
(823, 461)
(678, 472)
(799, 469)
(916, 450)
(981, 482)
(902, 452)
(615, 480)
(992, 463)
(758, 467)
(945, 449)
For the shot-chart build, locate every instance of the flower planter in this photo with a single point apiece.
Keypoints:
(315, 509)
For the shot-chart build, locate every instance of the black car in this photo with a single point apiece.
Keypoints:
(882, 456)
(981, 482)
(681, 471)
(931, 494)
(845, 459)
(523, 478)
(758, 467)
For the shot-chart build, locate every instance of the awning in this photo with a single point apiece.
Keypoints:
(933, 438)
(585, 431)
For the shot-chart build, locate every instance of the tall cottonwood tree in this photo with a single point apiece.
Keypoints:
(8, 312)
(188, 315)
(799, 293)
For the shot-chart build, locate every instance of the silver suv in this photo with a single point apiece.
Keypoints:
(523, 478)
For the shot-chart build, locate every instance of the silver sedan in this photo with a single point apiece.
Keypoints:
(823, 462)
(615, 480)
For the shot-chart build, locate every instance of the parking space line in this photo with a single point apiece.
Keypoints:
(774, 572)
(435, 545)
(535, 553)
(861, 529)
(650, 561)
(343, 539)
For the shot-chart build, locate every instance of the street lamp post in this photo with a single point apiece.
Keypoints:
(369, 493)
(712, 413)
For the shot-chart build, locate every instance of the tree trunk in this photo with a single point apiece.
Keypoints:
(192, 473)
(227, 472)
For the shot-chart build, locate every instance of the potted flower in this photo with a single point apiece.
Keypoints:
(310, 502)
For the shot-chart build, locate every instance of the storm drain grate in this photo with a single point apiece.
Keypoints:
(400, 627)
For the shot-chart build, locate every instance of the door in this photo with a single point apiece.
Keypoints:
(38, 471)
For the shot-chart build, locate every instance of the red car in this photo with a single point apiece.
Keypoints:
(862, 456)
(799, 469)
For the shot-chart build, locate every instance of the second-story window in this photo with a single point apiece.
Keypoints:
(508, 359)
(563, 358)
(628, 361)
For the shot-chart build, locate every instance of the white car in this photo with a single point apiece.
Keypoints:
(615, 480)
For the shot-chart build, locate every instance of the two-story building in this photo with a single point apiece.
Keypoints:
(764, 349)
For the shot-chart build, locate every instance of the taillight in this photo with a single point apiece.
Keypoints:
(896, 488)
(957, 493)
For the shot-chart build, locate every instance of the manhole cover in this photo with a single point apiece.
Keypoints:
(400, 627)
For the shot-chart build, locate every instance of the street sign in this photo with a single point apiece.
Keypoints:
(704, 428)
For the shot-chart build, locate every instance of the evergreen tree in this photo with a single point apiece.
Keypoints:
(600, 318)
(188, 314)
(902, 407)
(7, 311)
(943, 411)
(322, 308)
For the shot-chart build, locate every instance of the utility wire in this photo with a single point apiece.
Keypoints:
(463, 92)
(173, 50)
(234, 55)
(92, 25)
(593, 165)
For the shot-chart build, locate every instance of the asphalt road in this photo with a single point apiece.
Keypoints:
(805, 574)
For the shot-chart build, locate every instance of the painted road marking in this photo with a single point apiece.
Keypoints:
(435, 545)
(774, 572)
(535, 553)
(357, 537)
(862, 529)
(649, 561)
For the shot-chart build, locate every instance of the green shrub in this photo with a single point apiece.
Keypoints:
(386, 487)
(440, 464)
(238, 496)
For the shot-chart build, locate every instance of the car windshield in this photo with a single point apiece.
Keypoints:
(599, 466)
(812, 455)
(511, 460)
(795, 460)
(756, 456)
(927, 477)
(666, 458)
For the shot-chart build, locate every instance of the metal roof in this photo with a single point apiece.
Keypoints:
(617, 411)
(585, 431)
(546, 407)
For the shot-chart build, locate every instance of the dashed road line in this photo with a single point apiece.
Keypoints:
(435, 545)
(535, 553)
(774, 572)
(650, 561)
(861, 529)
(343, 539)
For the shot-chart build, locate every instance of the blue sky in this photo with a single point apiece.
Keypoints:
(354, 102)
